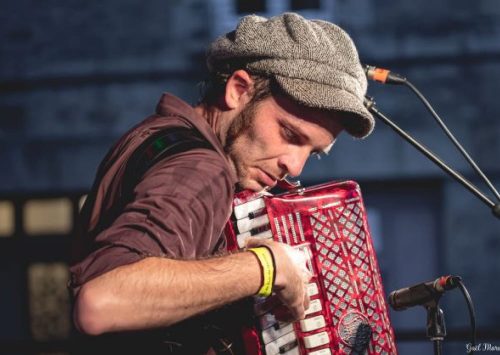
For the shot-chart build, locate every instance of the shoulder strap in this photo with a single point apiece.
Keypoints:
(162, 144)
(159, 146)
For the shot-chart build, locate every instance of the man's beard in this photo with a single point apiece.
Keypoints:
(241, 124)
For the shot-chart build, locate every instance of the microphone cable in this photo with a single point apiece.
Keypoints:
(385, 76)
(472, 312)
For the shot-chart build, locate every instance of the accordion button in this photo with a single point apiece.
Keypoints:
(247, 224)
(267, 320)
(243, 210)
(314, 306)
(310, 324)
(312, 289)
(274, 347)
(272, 333)
(242, 238)
(312, 341)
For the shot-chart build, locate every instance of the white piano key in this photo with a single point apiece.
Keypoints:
(246, 224)
(314, 306)
(315, 340)
(313, 323)
(271, 334)
(273, 348)
(243, 210)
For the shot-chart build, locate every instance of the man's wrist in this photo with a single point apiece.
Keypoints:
(268, 269)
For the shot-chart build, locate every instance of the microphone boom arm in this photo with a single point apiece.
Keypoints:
(370, 104)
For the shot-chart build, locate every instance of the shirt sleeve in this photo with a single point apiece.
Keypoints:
(179, 210)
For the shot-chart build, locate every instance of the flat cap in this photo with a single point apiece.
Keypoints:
(313, 61)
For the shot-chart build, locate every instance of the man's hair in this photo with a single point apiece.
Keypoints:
(214, 87)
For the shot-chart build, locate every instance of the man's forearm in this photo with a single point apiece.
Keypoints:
(158, 292)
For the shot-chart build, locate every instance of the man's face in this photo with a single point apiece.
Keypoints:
(274, 139)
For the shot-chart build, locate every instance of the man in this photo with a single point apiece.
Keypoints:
(280, 90)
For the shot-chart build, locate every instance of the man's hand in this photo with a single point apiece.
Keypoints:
(290, 283)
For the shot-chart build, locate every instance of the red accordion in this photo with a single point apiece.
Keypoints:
(348, 312)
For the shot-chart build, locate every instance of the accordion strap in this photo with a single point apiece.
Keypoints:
(159, 146)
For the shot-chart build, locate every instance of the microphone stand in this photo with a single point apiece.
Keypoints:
(436, 327)
(495, 208)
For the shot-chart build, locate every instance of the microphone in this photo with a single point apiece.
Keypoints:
(422, 293)
(383, 76)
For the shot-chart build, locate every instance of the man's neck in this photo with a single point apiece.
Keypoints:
(219, 121)
(216, 120)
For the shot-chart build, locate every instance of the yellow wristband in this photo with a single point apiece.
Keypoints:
(266, 261)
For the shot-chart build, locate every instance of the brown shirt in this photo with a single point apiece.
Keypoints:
(178, 209)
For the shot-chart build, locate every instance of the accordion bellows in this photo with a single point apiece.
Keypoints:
(348, 312)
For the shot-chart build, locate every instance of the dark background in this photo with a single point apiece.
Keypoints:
(74, 75)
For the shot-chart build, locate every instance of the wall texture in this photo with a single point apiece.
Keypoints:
(75, 75)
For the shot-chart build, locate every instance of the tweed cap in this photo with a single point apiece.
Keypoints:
(313, 61)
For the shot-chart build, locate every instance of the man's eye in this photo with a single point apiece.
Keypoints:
(290, 135)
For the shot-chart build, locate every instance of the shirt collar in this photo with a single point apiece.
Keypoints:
(170, 104)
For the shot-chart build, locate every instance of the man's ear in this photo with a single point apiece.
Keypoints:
(238, 89)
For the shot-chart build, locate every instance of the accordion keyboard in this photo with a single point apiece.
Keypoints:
(327, 223)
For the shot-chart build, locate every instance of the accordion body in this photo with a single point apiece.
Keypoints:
(348, 312)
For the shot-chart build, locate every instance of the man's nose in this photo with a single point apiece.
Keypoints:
(293, 162)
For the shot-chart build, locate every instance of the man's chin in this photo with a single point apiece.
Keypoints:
(252, 185)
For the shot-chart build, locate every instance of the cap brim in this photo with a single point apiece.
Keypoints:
(357, 120)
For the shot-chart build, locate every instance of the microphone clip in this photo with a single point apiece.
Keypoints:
(384, 76)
